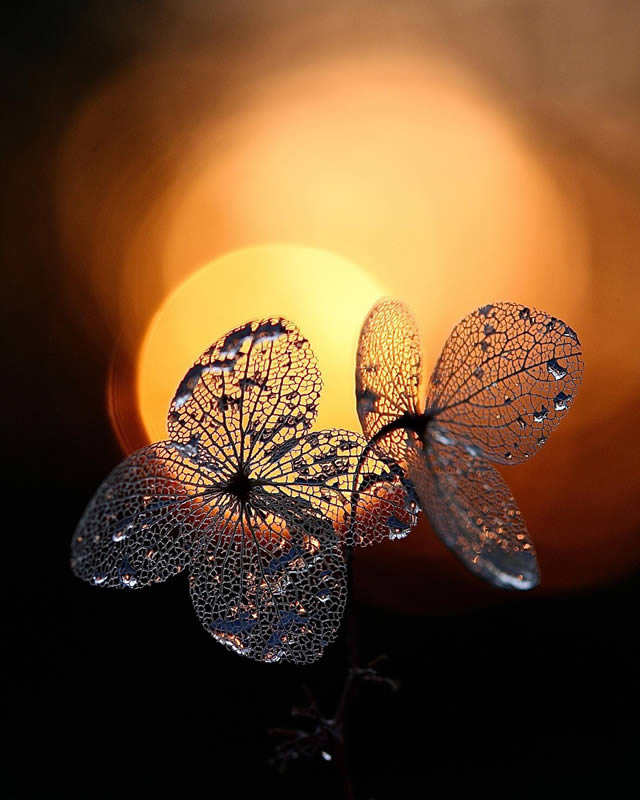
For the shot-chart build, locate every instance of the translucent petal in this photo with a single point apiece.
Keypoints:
(472, 510)
(271, 583)
(388, 371)
(318, 471)
(506, 377)
(258, 507)
(256, 387)
(139, 527)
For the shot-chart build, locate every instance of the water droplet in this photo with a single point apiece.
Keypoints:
(323, 594)
(540, 416)
(397, 528)
(188, 449)
(227, 401)
(234, 341)
(367, 402)
(326, 756)
(324, 576)
(220, 366)
(525, 313)
(489, 330)
(123, 531)
(272, 656)
(293, 559)
(571, 334)
(541, 441)
(188, 384)
(441, 437)
(411, 500)
(556, 370)
(269, 332)
(508, 456)
(99, 579)
(521, 422)
(127, 574)
(561, 401)
(230, 639)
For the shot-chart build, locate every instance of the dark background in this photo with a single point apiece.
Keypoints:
(123, 693)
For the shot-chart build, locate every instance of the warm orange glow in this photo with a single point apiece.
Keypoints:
(406, 165)
(394, 159)
(325, 295)
(403, 165)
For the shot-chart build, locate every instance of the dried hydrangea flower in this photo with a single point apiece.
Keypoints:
(506, 377)
(245, 496)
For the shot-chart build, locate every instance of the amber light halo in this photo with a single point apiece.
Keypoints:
(325, 294)
(401, 161)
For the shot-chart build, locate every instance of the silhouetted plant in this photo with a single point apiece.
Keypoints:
(264, 512)
(244, 495)
(506, 377)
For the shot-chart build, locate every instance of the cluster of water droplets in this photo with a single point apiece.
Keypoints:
(506, 377)
(259, 508)
(256, 506)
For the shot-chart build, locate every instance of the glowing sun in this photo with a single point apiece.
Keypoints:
(326, 295)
